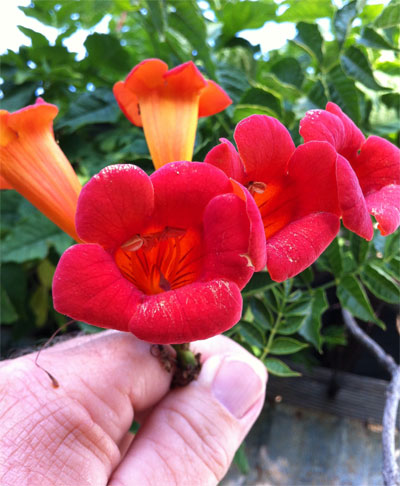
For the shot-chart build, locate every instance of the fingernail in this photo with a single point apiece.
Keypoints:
(237, 385)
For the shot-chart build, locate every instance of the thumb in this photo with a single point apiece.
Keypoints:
(192, 435)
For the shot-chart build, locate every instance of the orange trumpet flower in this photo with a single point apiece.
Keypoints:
(168, 104)
(33, 164)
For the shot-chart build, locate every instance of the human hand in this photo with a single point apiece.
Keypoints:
(78, 434)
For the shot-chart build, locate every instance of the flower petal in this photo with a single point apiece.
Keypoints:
(213, 99)
(114, 205)
(351, 201)
(384, 205)
(265, 147)
(225, 157)
(185, 78)
(146, 76)
(377, 165)
(88, 286)
(183, 189)
(196, 311)
(4, 184)
(299, 244)
(128, 102)
(332, 126)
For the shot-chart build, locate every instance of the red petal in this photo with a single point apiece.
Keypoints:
(313, 169)
(128, 102)
(377, 165)
(384, 205)
(226, 237)
(213, 99)
(299, 244)
(185, 78)
(265, 147)
(114, 205)
(333, 126)
(196, 311)
(183, 189)
(351, 200)
(4, 184)
(225, 157)
(88, 286)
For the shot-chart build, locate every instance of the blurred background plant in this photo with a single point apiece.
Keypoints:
(346, 52)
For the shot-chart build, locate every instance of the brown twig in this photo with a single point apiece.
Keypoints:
(390, 468)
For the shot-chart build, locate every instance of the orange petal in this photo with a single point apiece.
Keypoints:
(4, 184)
(184, 79)
(128, 102)
(33, 163)
(146, 76)
(213, 99)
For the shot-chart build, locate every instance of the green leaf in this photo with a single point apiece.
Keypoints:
(39, 303)
(106, 53)
(392, 68)
(7, 310)
(252, 334)
(88, 328)
(289, 71)
(291, 325)
(286, 345)
(38, 40)
(344, 93)
(353, 297)
(241, 461)
(263, 98)
(390, 17)
(97, 107)
(309, 38)
(359, 248)
(311, 328)
(19, 97)
(258, 283)
(371, 38)
(279, 368)
(392, 100)
(261, 314)
(31, 239)
(356, 65)
(310, 10)
(333, 255)
(380, 283)
(158, 16)
(343, 19)
(237, 16)
(317, 95)
(45, 271)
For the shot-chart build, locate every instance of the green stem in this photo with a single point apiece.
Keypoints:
(184, 356)
(273, 331)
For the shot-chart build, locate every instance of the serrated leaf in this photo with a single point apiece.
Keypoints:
(343, 19)
(344, 93)
(252, 334)
(310, 38)
(353, 297)
(380, 283)
(279, 368)
(390, 16)
(356, 65)
(261, 314)
(291, 325)
(289, 71)
(31, 239)
(7, 310)
(311, 328)
(371, 38)
(286, 345)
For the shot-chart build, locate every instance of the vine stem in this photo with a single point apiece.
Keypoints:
(273, 332)
(390, 468)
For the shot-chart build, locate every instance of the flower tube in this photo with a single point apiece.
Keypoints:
(168, 104)
(32, 163)
(166, 255)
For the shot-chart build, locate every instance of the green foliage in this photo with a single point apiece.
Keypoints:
(354, 65)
